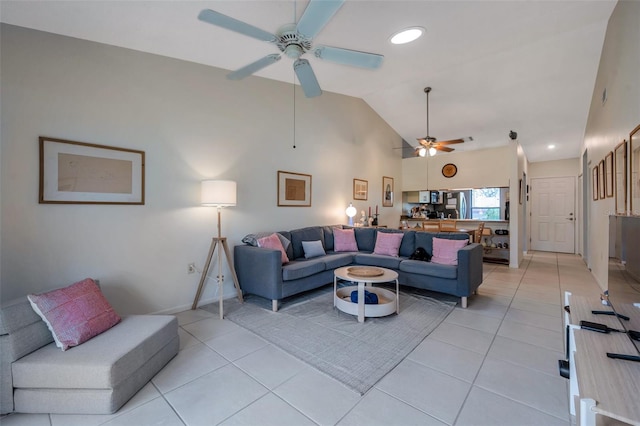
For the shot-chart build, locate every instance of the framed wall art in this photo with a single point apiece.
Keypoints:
(360, 189)
(608, 173)
(601, 180)
(620, 160)
(634, 181)
(294, 189)
(594, 183)
(387, 191)
(85, 173)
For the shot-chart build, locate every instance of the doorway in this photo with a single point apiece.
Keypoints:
(553, 214)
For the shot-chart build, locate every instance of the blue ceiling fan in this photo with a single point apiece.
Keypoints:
(295, 40)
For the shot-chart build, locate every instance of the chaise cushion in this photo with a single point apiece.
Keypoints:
(430, 269)
(74, 314)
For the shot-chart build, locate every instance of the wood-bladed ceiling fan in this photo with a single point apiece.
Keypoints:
(429, 144)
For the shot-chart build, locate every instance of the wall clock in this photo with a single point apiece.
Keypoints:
(449, 170)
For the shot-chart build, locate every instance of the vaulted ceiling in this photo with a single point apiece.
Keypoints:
(494, 66)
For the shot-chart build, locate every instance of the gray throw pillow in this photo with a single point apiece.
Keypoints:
(312, 249)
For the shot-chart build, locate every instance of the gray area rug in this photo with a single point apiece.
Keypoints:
(356, 354)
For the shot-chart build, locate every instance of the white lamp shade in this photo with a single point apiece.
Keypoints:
(432, 151)
(351, 211)
(218, 193)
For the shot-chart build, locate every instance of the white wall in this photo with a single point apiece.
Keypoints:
(193, 124)
(556, 168)
(609, 123)
(476, 169)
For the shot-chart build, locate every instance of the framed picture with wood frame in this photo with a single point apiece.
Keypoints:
(634, 177)
(294, 189)
(620, 160)
(360, 189)
(594, 183)
(601, 180)
(85, 173)
(387, 191)
(608, 173)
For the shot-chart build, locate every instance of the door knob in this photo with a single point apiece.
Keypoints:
(570, 218)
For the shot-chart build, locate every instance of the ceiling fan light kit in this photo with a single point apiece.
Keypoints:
(295, 40)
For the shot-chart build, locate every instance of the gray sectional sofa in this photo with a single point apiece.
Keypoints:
(261, 272)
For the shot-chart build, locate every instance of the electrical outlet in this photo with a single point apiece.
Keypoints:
(191, 268)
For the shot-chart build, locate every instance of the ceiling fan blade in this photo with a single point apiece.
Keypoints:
(349, 57)
(307, 78)
(253, 67)
(444, 148)
(316, 16)
(461, 140)
(224, 21)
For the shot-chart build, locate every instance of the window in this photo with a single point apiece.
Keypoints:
(485, 204)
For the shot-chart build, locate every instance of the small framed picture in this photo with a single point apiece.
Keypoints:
(294, 189)
(360, 189)
(634, 176)
(594, 183)
(85, 173)
(601, 180)
(621, 177)
(608, 171)
(387, 191)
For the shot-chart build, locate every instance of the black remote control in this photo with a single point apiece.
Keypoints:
(635, 358)
(624, 317)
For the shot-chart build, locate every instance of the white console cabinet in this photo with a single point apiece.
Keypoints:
(600, 385)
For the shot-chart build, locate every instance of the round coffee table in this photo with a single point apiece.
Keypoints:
(365, 276)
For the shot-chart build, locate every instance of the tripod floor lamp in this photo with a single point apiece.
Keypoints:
(218, 193)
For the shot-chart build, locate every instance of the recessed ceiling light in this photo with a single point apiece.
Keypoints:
(551, 146)
(407, 35)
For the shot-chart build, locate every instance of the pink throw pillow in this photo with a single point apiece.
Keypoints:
(273, 242)
(445, 251)
(74, 314)
(344, 240)
(388, 243)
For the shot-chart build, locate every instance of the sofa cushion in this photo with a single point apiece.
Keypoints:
(445, 251)
(329, 237)
(344, 240)
(408, 245)
(377, 260)
(100, 363)
(366, 239)
(312, 249)
(273, 242)
(312, 233)
(428, 268)
(338, 260)
(302, 268)
(74, 314)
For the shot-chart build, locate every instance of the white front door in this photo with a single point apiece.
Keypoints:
(553, 214)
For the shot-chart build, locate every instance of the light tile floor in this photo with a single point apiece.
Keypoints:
(494, 363)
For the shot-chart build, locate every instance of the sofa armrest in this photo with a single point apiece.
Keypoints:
(469, 269)
(259, 270)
